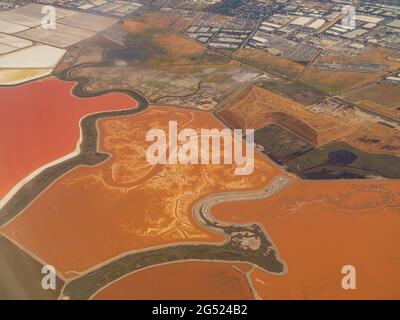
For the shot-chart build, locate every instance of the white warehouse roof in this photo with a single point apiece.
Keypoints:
(316, 24)
(301, 21)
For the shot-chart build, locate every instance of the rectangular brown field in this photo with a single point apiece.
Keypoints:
(6, 48)
(89, 22)
(20, 19)
(63, 36)
(14, 41)
(10, 28)
(35, 11)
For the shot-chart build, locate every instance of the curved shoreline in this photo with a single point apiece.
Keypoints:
(22, 195)
(83, 287)
(235, 248)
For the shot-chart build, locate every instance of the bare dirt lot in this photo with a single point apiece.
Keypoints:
(256, 107)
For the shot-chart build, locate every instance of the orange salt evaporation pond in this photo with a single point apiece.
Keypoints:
(39, 123)
(319, 227)
(93, 214)
(205, 281)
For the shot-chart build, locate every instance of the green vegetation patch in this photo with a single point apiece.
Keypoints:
(280, 144)
(339, 160)
(139, 48)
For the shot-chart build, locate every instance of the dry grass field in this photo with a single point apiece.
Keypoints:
(269, 63)
(375, 138)
(373, 56)
(169, 21)
(381, 97)
(333, 83)
(340, 82)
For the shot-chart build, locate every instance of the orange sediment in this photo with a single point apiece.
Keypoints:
(319, 227)
(197, 281)
(93, 214)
